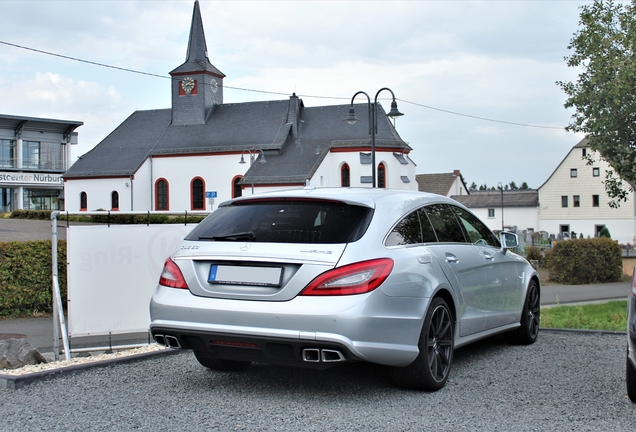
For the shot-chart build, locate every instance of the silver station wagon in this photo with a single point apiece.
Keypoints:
(316, 277)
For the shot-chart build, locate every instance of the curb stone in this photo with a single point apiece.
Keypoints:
(14, 382)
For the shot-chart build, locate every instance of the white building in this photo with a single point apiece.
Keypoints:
(176, 159)
(573, 200)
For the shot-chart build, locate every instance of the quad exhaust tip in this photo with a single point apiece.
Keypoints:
(167, 341)
(316, 355)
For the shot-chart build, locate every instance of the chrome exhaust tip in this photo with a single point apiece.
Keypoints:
(331, 356)
(311, 355)
(172, 341)
(160, 339)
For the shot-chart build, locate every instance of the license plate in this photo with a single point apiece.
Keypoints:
(245, 275)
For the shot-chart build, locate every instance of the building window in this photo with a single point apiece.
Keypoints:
(197, 193)
(345, 176)
(491, 213)
(564, 201)
(381, 176)
(584, 152)
(114, 200)
(7, 154)
(595, 201)
(162, 195)
(237, 190)
(83, 201)
(576, 201)
(596, 172)
(30, 154)
(573, 172)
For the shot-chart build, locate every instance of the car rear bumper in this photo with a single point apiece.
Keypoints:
(369, 327)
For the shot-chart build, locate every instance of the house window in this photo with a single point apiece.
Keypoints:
(564, 231)
(381, 176)
(197, 194)
(345, 176)
(237, 190)
(564, 201)
(584, 152)
(595, 201)
(596, 172)
(162, 195)
(83, 201)
(114, 200)
(491, 213)
(573, 173)
(576, 201)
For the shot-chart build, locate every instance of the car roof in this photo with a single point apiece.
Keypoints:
(357, 196)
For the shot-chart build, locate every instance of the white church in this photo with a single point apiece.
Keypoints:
(176, 159)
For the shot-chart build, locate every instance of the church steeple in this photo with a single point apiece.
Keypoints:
(197, 86)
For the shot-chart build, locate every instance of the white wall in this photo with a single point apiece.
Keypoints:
(98, 193)
(521, 217)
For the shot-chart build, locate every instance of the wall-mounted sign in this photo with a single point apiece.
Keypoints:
(29, 179)
(210, 194)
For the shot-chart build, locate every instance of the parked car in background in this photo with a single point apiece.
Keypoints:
(316, 277)
(630, 373)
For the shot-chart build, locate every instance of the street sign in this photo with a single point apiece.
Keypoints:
(210, 194)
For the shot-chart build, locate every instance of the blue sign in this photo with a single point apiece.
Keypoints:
(210, 194)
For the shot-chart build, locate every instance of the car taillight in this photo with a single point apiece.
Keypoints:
(358, 278)
(171, 276)
(634, 282)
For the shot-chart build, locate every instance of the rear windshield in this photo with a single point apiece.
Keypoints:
(285, 221)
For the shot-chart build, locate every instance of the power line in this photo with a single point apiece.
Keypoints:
(271, 92)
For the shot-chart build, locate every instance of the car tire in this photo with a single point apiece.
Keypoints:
(221, 364)
(430, 370)
(528, 332)
(630, 380)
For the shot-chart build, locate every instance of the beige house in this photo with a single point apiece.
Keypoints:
(573, 200)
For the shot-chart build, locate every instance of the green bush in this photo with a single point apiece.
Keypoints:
(25, 277)
(31, 214)
(584, 261)
(533, 253)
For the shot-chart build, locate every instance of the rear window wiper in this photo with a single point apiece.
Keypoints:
(248, 235)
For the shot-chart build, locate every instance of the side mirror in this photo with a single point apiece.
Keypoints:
(508, 241)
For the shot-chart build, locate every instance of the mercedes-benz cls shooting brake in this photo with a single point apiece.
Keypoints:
(317, 277)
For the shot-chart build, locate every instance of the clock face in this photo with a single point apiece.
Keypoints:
(187, 84)
(214, 84)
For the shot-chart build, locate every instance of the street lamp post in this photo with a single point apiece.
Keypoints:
(254, 154)
(373, 120)
(500, 186)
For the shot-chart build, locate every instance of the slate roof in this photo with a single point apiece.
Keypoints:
(197, 54)
(511, 198)
(290, 147)
(435, 183)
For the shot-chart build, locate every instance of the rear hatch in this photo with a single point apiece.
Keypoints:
(268, 249)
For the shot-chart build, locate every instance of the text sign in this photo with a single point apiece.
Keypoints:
(210, 194)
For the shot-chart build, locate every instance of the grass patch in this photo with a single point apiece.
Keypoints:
(610, 316)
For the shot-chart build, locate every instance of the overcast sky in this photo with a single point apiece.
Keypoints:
(497, 60)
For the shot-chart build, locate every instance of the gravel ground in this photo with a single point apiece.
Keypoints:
(564, 382)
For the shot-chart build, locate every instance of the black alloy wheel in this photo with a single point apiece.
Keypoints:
(430, 370)
(528, 332)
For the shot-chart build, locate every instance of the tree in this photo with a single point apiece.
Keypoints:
(604, 95)
(513, 185)
(524, 186)
(473, 186)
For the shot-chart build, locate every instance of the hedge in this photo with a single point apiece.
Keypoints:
(585, 261)
(25, 277)
(112, 218)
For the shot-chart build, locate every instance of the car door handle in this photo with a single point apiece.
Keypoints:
(451, 258)
(489, 256)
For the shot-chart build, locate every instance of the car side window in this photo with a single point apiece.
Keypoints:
(407, 231)
(477, 232)
(445, 223)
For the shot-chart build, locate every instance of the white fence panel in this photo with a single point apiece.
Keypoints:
(112, 273)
